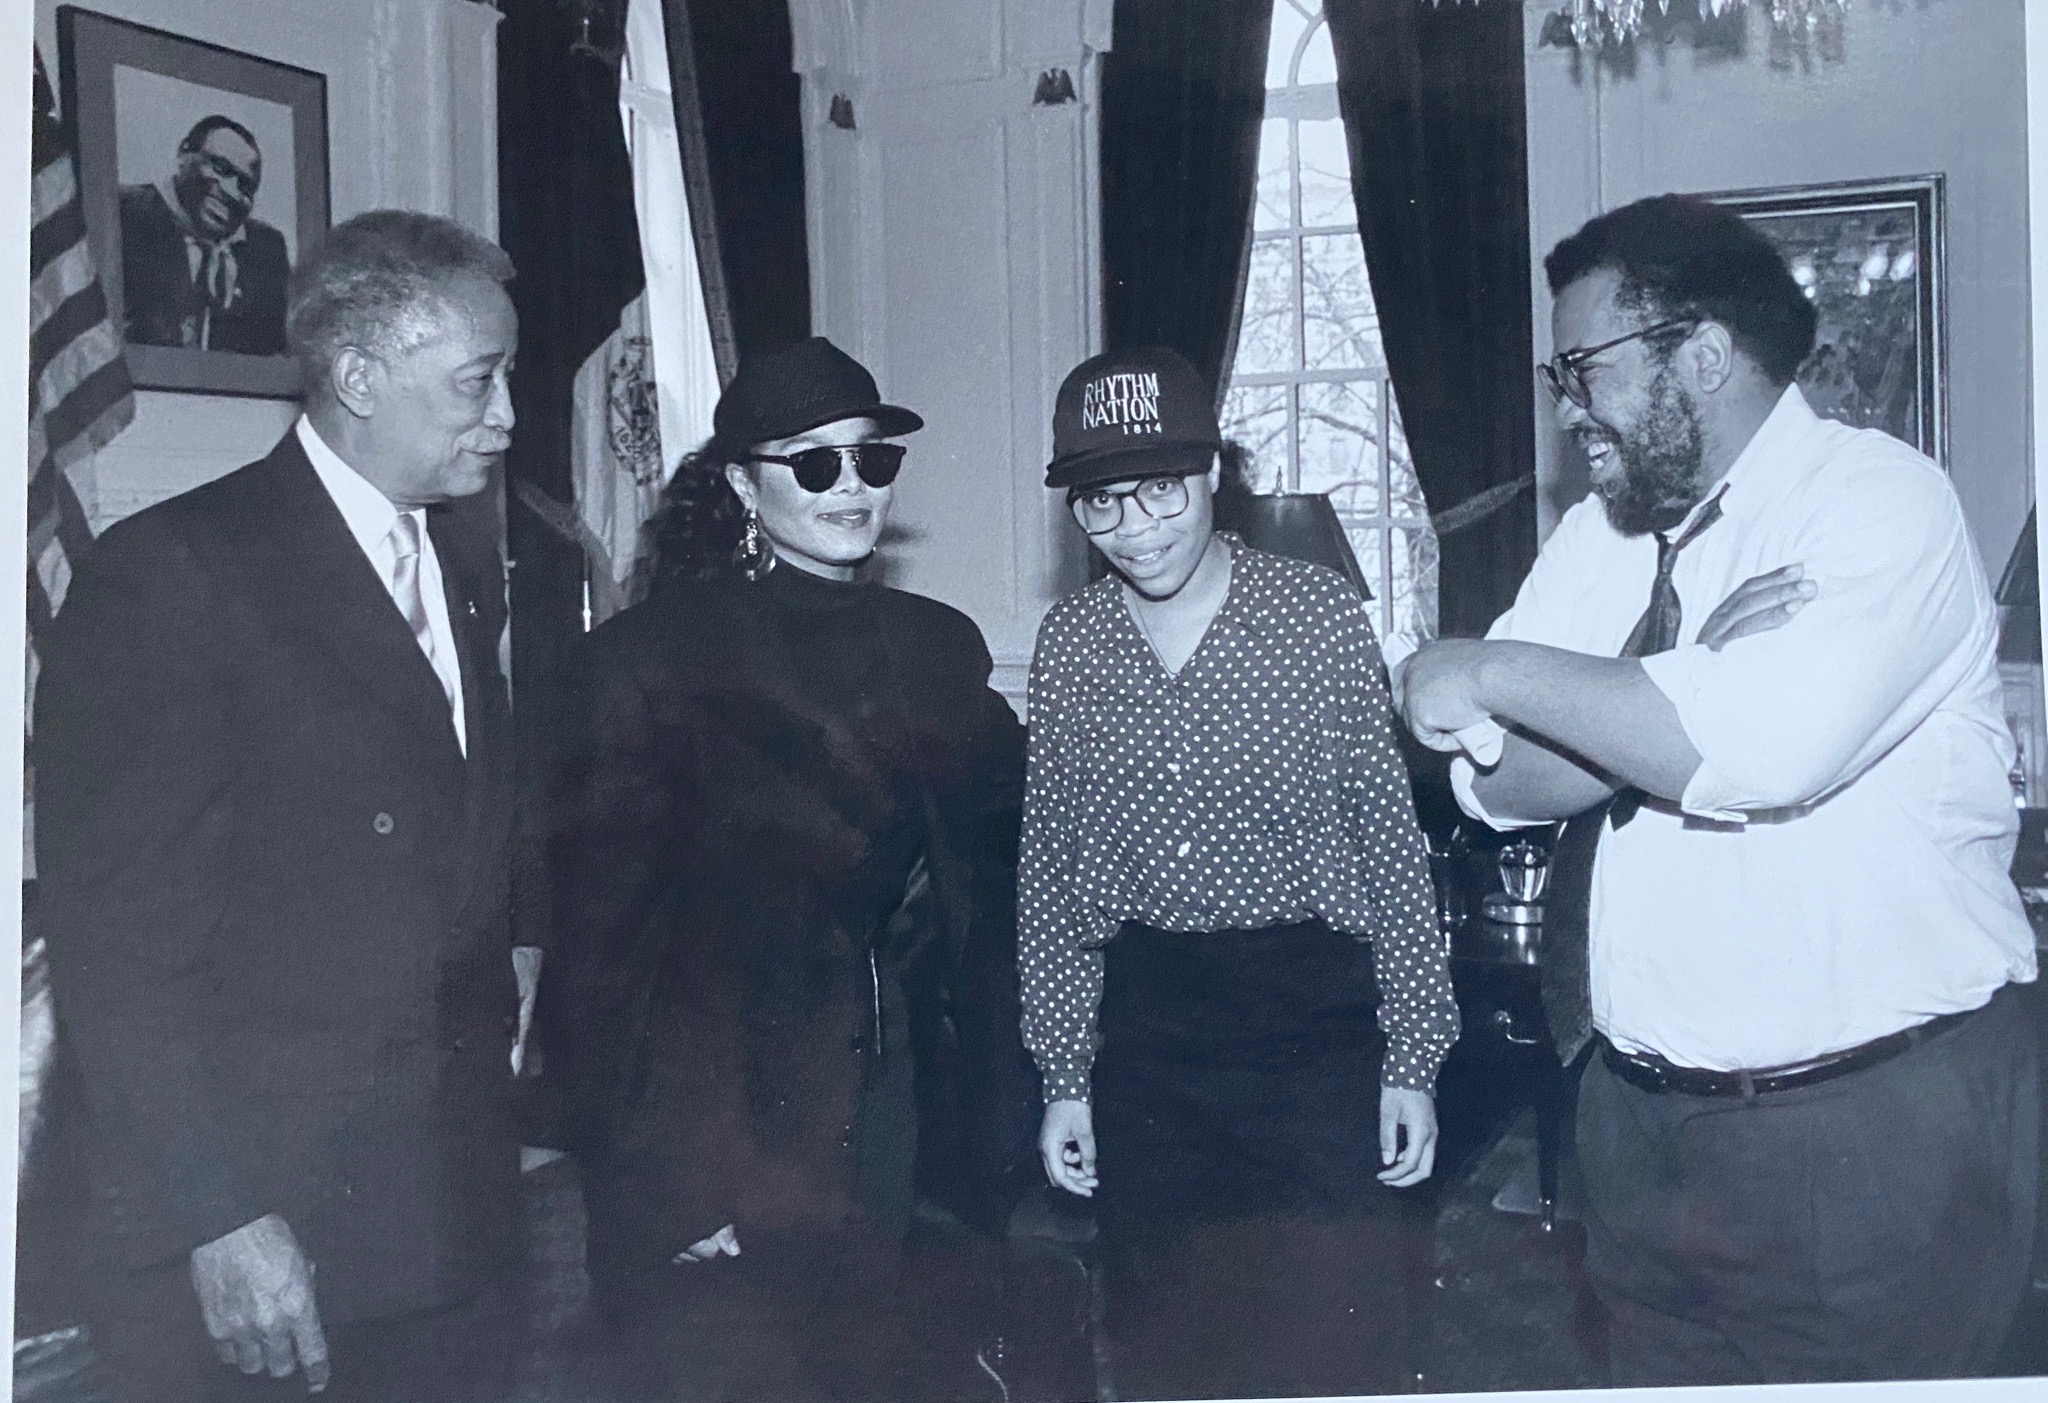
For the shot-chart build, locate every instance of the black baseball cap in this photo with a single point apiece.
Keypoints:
(797, 388)
(1136, 413)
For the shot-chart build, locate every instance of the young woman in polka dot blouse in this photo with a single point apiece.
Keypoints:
(1232, 978)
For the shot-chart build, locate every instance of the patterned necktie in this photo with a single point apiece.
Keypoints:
(405, 592)
(1567, 990)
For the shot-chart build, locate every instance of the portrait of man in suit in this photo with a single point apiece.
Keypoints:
(197, 268)
(275, 782)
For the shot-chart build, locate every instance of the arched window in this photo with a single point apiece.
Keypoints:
(1309, 396)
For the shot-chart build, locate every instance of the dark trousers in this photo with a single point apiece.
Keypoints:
(1876, 1226)
(151, 1345)
(1249, 1250)
(797, 1317)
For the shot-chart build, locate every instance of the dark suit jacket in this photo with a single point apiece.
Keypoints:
(276, 894)
(156, 281)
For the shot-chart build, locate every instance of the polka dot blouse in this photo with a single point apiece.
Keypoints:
(1260, 787)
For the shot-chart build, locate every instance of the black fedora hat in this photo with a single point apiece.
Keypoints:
(795, 389)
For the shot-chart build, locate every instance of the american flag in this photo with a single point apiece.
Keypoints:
(79, 395)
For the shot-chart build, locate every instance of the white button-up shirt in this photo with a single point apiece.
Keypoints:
(1838, 867)
(370, 516)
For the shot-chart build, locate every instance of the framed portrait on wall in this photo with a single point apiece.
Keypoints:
(1870, 256)
(202, 174)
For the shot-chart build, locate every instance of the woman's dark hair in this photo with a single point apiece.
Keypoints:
(693, 531)
(1680, 257)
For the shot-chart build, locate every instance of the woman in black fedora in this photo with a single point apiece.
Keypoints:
(780, 826)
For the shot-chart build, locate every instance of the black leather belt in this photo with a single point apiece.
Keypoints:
(1654, 1073)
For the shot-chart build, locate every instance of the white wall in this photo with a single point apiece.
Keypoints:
(2037, 170)
(954, 252)
(1931, 85)
(412, 121)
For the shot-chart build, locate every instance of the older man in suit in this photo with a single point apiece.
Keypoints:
(274, 808)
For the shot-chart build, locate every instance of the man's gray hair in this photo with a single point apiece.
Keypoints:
(380, 282)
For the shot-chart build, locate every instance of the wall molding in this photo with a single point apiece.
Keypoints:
(955, 249)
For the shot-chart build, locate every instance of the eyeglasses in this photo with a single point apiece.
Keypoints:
(1562, 372)
(819, 469)
(1100, 511)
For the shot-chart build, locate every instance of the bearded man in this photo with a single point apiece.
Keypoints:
(1780, 909)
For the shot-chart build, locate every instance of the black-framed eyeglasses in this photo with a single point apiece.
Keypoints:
(1099, 511)
(1564, 374)
(819, 469)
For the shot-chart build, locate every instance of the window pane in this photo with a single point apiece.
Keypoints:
(1325, 175)
(1413, 605)
(1340, 450)
(1343, 329)
(1319, 62)
(1266, 339)
(1274, 210)
(1288, 23)
(1256, 417)
(1367, 543)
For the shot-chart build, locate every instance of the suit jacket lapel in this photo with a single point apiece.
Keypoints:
(313, 571)
(475, 618)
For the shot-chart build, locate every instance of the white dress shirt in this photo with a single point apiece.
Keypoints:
(370, 515)
(1838, 867)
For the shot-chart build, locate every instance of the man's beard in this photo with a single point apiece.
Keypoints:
(1660, 462)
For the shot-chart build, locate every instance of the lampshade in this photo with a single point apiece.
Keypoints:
(1300, 525)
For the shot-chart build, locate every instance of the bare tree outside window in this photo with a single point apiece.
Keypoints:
(1309, 396)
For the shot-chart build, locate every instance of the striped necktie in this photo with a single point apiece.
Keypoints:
(1566, 970)
(405, 592)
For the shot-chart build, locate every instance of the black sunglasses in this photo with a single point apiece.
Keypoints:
(818, 469)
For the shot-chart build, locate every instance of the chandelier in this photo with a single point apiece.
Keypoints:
(1595, 24)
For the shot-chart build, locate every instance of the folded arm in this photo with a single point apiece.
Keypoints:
(1605, 711)
(1901, 616)
(1839, 660)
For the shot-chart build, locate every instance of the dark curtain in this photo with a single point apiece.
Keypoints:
(1183, 92)
(566, 217)
(1432, 103)
(750, 117)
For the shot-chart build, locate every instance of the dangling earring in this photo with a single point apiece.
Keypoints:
(755, 554)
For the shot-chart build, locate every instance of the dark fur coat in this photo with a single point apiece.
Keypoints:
(774, 813)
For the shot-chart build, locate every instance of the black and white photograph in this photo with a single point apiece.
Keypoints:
(1031, 701)
(214, 167)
